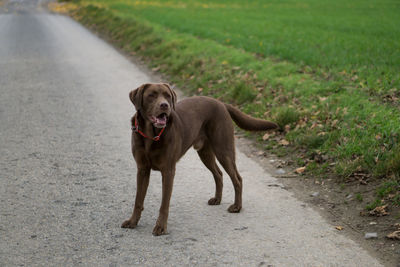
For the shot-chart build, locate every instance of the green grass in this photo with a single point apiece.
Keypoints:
(328, 71)
(376, 203)
(359, 39)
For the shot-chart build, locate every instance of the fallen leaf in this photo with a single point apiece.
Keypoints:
(284, 142)
(361, 176)
(395, 235)
(314, 125)
(300, 170)
(266, 136)
(302, 123)
(379, 211)
(340, 228)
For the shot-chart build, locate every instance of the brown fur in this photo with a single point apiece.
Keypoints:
(201, 122)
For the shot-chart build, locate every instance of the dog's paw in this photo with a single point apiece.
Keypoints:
(234, 208)
(214, 201)
(159, 230)
(129, 224)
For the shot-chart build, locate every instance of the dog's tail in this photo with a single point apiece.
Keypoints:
(249, 123)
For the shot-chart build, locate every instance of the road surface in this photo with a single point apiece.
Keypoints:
(67, 177)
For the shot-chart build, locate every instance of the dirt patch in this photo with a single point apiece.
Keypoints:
(341, 204)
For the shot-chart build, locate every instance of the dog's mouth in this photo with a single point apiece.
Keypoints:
(160, 121)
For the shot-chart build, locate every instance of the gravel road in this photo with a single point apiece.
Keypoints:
(67, 177)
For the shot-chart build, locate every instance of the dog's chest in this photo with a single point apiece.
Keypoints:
(156, 162)
(155, 157)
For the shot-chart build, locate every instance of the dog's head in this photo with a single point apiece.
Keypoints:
(155, 101)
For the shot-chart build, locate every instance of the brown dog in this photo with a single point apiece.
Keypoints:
(164, 130)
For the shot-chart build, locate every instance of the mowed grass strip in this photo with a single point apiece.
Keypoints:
(272, 59)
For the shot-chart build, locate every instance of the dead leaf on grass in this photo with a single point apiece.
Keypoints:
(266, 136)
(300, 170)
(379, 211)
(334, 123)
(284, 142)
(314, 125)
(390, 98)
(361, 177)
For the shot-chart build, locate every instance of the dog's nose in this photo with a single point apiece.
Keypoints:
(164, 105)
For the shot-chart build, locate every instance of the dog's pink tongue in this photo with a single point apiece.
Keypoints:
(161, 120)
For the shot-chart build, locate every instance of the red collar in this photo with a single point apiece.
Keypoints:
(135, 128)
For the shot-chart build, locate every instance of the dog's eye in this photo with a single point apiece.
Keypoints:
(167, 96)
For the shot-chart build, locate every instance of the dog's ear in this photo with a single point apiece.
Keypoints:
(173, 94)
(136, 96)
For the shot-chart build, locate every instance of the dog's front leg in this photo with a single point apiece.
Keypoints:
(142, 180)
(167, 184)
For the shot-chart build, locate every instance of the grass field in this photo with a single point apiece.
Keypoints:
(360, 38)
(327, 71)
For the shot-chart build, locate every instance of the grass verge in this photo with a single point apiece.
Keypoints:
(333, 121)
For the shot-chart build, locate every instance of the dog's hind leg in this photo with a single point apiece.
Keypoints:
(207, 156)
(227, 161)
(220, 134)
